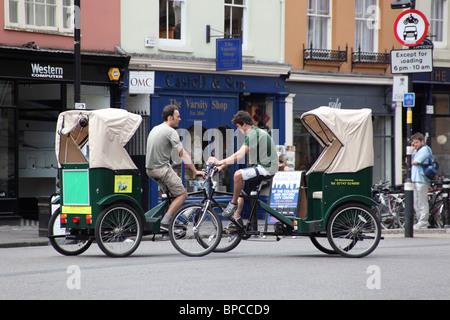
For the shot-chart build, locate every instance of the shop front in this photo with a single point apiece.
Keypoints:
(35, 86)
(431, 114)
(346, 93)
(207, 104)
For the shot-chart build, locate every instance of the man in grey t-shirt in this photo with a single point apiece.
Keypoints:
(161, 140)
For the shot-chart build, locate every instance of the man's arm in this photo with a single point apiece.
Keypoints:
(231, 159)
(187, 160)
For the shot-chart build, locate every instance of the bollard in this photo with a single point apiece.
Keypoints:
(409, 209)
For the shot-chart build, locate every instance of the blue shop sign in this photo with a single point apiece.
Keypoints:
(218, 82)
(229, 54)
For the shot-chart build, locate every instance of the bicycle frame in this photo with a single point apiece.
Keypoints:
(152, 217)
(209, 202)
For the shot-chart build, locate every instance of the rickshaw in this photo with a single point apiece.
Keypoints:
(100, 186)
(334, 195)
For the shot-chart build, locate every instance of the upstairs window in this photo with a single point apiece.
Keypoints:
(54, 16)
(438, 28)
(172, 22)
(234, 18)
(366, 25)
(319, 24)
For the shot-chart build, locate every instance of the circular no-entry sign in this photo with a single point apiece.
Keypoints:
(411, 27)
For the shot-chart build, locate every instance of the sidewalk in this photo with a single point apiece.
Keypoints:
(21, 236)
(27, 236)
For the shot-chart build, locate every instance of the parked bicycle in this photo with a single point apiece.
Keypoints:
(438, 203)
(391, 204)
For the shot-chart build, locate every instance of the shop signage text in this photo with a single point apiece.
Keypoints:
(142, 82)
(199, 107)
(46, 71)
(229, 54)
(200, 81)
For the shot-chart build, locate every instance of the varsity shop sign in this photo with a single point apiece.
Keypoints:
(46, 71)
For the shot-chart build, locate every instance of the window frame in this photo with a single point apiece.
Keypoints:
(329, 17)
(444, 9)
(21, 24)
(365, 20)
(244, 6)
(177, 42)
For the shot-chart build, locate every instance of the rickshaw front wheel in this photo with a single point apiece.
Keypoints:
(118, 230)
(322, 243)
(353, 230)
(62, 240)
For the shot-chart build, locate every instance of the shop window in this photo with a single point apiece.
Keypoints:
(319, 24)
(40, 15)
(440, 132)
(261, 112)
(383, 140)
(171, 21)
(95, 97)
(201, 144)
(6, 93)
(7, 153)
(221, 146)
(235, 11)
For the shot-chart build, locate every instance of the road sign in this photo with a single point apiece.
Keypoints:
(409, 99)
(411, 61)
(411, 27)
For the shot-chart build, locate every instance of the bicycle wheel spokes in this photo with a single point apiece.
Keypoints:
(62, 240)
(118, 231)
(194, 231)
(354, 231)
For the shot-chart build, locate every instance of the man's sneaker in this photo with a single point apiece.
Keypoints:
(229, 210)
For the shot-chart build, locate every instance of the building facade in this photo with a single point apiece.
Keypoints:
(431, 115)
(339, 52)
(37, 83)
(168, 40)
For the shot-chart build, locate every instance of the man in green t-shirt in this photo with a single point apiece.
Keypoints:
(161, 141)
(263, 160)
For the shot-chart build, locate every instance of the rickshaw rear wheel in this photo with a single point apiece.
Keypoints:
(118, 230)
(353, 230)
(61, 240)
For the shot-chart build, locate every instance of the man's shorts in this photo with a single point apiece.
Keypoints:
(253, 176)
(169, 177)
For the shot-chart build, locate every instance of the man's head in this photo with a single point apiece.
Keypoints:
(418, 140)
(171, 115)
(243, 121)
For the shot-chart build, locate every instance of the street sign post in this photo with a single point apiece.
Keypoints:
(410, 29)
